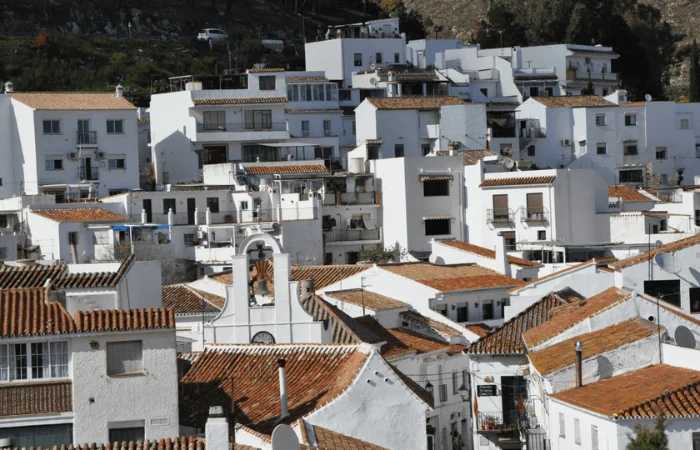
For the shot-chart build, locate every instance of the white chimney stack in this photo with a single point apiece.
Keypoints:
(283, 388)
(502, 263)
(9, 87)
(120, 91)
(216, 429)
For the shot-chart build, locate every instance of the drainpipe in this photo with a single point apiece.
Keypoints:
(579, 370)
(283, 388)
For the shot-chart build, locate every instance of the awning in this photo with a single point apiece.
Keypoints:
(501, 121)
(435, 177)
(663, 214)
(438, 217)
(140, 226)
(367, 221)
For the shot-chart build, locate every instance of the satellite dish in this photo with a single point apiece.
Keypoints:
(510, 164)
(658, 244)
(284, 438)
(667, 262)
(647, 97)
(373, 81)
(684, 337)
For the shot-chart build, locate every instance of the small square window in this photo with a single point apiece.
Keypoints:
(398, 151)
(630, 120)
(531, 150)
(660, 152)
(541, 235)
(577, 431)
(115, 127)
(244, 205)
(189, 240)
(378, 58)
(357, 58)
(601, 148)
(600, 119)
(124, 358)
(213, 204)
(631, 149)
(685, 124)
(562, 426)
(116, 163)
(425, 149)
(267, 83)
(397, 58)
(52, 127)
(53, 164)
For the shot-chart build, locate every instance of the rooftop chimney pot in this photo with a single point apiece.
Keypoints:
(281, 363)
(216, 429)
(9, 87)
(120, 91)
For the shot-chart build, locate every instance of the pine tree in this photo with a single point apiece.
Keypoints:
(694, 88)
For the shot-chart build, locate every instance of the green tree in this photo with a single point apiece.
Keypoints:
(694, 88)
(379, 255)
(649, 439)
(500, 27)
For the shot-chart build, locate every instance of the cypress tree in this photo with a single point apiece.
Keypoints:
(694, 89)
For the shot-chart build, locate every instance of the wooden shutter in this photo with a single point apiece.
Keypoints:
(509, 235)
(500, 202)
(534, 203)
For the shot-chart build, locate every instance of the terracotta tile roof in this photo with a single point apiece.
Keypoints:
(551, 275)
(124, 320)
(71, 101)
(327, 439)
(266, 70)
(314, 111)
(316, 374)
(175, 443)
(36, 398)
(471, 157)
(371, 300)
(143, 121)
(23, 313)
(671, 247)
(518, 181)
(480, 329)
(373, 141)
(285, 168)
(35, 276)
(672, 391)
(507, 338)
(574, 315)
(216, 301)
(302, 79)
(627, 194)
(642, 103)
(574, 101)
(184, 300)
(238, 101)
(425, 322)
(561, 355)
(448, 278)
(422, 103)
(81, 215)
(486, 253)
(401, 342)
(344, 329)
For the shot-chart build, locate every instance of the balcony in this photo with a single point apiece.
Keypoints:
(86, 138)
(89, 173)
(245, 216)
(354, 235)
(535, 215)
(214, 132)
(430, 131)
(493, 422)
(500, 215)
(352, 198)
(582, 75)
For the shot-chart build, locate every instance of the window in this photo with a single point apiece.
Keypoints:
(577, 431)
(189, 239)
(398, 151)
(357, 58)
(509, 238)
(696, 441)
(530, 150)
(600, 119)
(305, 128)
(328, 259)
(697, 217)
(213, 204)
(535, 208)
(663, 225)
(463, 313)
(33, 361)
(666, 290)
(124, 358)
(168, 204)
(214, 120)
(115, 126)
(443, 393)
(437, 227)
(500, 208)
(631, 176)
(258, 119)
(73, 237)
(378, 58)
(327, 128)
(436, 188)
(541, 235)
(52, 127)
(684, 124)
(562, 426)
(601, 148)
(465, 379)
(630, 120)
(694, 299)
(582, 147)
(660, 152)
(397, 58)
(54, 164)
(3, 253)
(345, 95)
(697, 150)
(425, 149)
(487, 310)
(594, 438)
(116, 163)
(455, 383)
(133, 434)
(352, 257)
(484, 92)
(630, 148)
(267, 83)
(244, 205)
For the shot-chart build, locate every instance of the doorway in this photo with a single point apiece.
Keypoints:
(149, 210)
(191, 205)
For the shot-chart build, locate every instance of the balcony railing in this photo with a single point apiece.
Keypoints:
(352, 235)
(535, 215)
(493, 422)
(500, 215)
(245, 216)
(240, 127)
(352, 198)
(86, 138)
(532, 133)
(506, 132)
(89, 173)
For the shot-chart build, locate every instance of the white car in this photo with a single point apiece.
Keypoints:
(212, 34)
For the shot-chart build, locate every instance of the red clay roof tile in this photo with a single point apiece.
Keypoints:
(485, 252)
(574, 101)
(35, 398)
(627, 194)
(183, 299)
(73, 101)
(666, 248)
(239, 100)
(24, 312)
(124, 320)
(368, 299)
(517, 181)
(81, 215)
(454, 277)
(422, 103)
(285, 168)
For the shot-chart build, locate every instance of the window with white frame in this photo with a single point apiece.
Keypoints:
(455, 383)
(53, 163)
(562, 426)
(630, 120)
(601, 148)
(443, 393)
(600, 119)
(684, 124)
(33, 361)
(189, 239)
(115, 126)
(116, 162)
(327, 128)
(594, 437)
(305, 128)
(52, 127)
(661, 153)
(124, 358)
(631, 148)
(577, 431)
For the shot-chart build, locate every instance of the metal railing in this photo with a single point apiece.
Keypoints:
(532, 133)
(500, 215)
(86, 138)
(240, 127)
(506, 132)
(90, 175)
(493, 422)
(233, 217)
(352, 198)
(535, 215)
(352, 235)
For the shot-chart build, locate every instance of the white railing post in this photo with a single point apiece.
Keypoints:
(170, 216)
(144, 216)
(196, 216)
(207, 216)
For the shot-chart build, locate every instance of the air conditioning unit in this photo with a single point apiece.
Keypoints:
(101, 155)
(72, 155)
(566, 142)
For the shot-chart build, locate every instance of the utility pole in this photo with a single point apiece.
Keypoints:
(362, 293)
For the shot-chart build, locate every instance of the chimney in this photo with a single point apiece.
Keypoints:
(216, 429)
(120, 91)
(9, 87)
(502, 256)
(283, 388)
(579, 370)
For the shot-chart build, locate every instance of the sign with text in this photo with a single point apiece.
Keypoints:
(487, 390)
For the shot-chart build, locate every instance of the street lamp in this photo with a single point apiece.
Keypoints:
(463, 392)
(429, 388)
